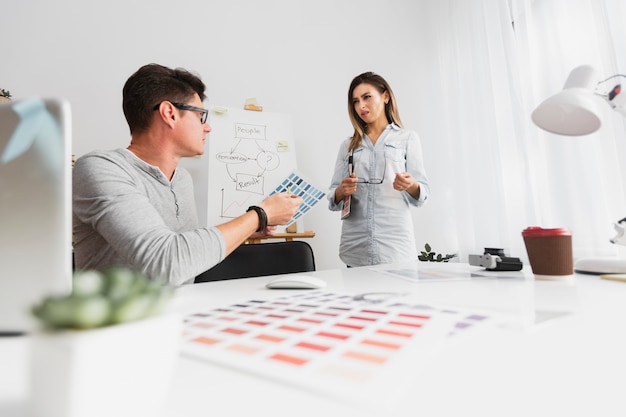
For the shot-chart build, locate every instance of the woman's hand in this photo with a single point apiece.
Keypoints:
(346, 187)
(405, 182)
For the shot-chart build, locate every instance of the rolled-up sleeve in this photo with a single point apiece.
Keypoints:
(340, 172)
(415, 167)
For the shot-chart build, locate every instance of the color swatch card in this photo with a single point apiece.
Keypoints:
(341, 346)
(297, 185)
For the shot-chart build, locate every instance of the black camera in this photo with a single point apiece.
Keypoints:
(494, 260)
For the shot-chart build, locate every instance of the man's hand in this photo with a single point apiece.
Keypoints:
(280, 208)
(269, 231)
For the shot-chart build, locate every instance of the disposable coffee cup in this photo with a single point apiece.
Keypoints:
(549, 252)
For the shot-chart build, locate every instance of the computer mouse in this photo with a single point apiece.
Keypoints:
(296, 282)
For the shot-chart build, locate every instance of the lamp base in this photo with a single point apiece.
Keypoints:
(599, 266)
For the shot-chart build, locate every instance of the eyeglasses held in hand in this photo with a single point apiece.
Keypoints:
(361, 180)
(183, 106)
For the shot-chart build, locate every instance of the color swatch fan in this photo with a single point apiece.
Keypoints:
(331, 344)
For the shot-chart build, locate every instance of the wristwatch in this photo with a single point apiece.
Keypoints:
(262, 217)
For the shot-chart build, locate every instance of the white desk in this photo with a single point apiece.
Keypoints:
(571, 365)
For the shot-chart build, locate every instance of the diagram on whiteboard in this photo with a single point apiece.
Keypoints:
(238, 157)
(249, 153)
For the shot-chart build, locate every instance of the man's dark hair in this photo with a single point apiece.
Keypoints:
(151, 85)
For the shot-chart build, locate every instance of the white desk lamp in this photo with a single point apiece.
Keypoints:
(575, 111)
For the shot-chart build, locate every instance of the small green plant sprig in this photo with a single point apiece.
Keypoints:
(427, 255)
(100, 299)
(5, 93)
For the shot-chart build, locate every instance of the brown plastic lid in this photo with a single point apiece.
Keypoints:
(536, 231)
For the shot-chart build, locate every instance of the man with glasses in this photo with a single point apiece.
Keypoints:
(135, 207)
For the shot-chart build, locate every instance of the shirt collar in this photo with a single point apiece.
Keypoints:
(152, 170)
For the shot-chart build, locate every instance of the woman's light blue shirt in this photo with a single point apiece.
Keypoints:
(380, 228)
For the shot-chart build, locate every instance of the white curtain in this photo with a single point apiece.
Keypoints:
(493, 172)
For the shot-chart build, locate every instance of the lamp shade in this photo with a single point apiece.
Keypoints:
(574, 111)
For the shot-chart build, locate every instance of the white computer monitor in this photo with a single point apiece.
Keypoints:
(35, 207)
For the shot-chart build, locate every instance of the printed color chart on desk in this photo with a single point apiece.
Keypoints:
(338, 345)
(297, 185)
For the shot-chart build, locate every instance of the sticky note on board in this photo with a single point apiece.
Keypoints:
(251, 104)
(282, 146)
(219, 109)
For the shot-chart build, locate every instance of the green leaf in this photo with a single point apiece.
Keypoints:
(132, 308)
(123, 282)
(86, 283)
(91, 312)
(55, 312)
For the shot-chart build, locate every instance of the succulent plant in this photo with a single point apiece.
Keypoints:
(101, 299)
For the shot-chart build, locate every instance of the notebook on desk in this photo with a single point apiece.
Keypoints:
(35, 207)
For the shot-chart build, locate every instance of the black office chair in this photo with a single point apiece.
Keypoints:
(260, 259)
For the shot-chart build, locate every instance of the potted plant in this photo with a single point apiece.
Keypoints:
(428, 255)
(105, 349)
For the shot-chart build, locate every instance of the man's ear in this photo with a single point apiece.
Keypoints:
(168, 113)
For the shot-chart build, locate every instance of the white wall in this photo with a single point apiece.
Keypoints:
(296, 57)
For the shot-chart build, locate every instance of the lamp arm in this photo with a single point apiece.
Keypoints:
(611, 77)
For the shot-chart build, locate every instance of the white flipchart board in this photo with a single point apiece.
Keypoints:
(249, 153)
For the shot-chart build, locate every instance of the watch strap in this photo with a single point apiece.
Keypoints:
(262, 217)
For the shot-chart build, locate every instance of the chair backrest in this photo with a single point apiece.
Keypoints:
(260, 259)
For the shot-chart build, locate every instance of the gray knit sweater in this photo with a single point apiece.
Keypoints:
(127, 213)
